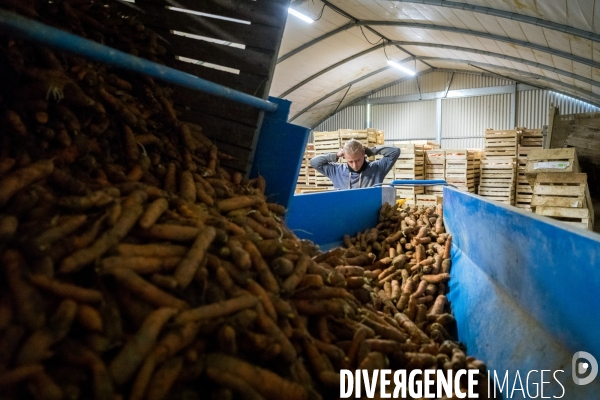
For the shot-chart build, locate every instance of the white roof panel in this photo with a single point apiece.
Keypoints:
(580, 14)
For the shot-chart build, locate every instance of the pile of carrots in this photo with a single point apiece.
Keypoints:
(135, 267)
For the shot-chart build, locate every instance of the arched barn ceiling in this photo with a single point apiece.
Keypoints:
(343, 55)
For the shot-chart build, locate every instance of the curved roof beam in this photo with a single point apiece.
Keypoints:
(335, 31)
(333, 66)
(339, 90)
(505, 57)
(443, 46)
(315, 41)
(471, 63)
(517, 71)
(509, 15)
(485, 35)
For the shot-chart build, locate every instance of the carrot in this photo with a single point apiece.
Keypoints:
(268, 326)
(11, 337)
(185, 271)
(15, 122)
(6, 311)
(333, 306)
(153, 212)
(37, 346)
(8, 227)
(142, 264)
(167, 282)
(131, 356)
(263, 231)
(240, 257)
(178, 233)
(312, 281)
(68, 226)
(43, 387)
(233, 382)
(446, 264)
(226, 339)
(86, 238)
(26, 299)
(188, 187)
(21, 178)
(75, 353)
(262, 295)
(90, 318)
(97, 199)
(359, 336)
(203, 196)
(170, 183)
(6, 164)
(164, 378)
(132, 210)
(290, 283)
(439, 278)
(171, 343)
(132, 152)
(438, 305)
(447, 248)
(151, 250)
(265, 276)
(147, 291)
(217, 310)
(235, 203)
(19, 374)
(66, 290)
(63, 179)
(124, 113)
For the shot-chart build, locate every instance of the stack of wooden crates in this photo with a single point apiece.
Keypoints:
(560, 190)
(497, 177)
(435, 168)
(529, 139)
(409, 166)
(325, 142)
(460, 169)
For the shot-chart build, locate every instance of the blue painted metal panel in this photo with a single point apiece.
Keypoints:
(326, 217)
(524, 290)
(279, 153)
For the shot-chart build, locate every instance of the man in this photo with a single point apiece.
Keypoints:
(356, 172)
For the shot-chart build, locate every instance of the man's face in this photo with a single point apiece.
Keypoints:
(356, 160)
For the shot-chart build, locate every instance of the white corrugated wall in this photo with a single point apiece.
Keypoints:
(352, 117)
(465, 120)
(534, 107)
(405, 121)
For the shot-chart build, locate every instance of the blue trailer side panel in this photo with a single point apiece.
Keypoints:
(279, 153)
(326, 217)
(524, 291)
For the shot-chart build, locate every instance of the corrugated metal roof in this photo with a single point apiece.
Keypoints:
(436, 25)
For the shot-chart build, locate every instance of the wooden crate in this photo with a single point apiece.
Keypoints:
(435, 189)
(556, 189)
(551, 160)
(497, 179)
(530, 138)
(380, 137)
(428, 200)
(578, 217)
(326, 142)
(460, 169)
(410, 163)
(500, 143)
(322, 180)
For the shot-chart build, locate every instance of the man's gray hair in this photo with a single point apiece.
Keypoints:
(353, 146)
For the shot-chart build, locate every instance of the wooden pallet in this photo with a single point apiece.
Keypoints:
(551, 160)
(436, 189)
(326, 142)
(555, 189)
(428, 200)
(578, 217)
(500, 143)
(380, 137)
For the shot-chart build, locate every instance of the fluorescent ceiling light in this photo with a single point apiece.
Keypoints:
(300, 15)
(400, 67)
